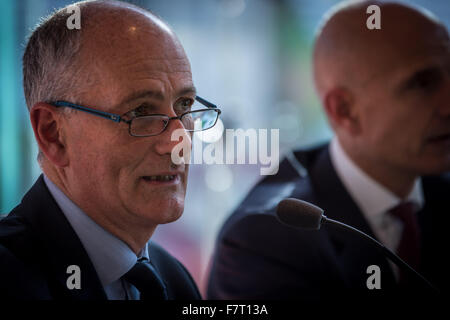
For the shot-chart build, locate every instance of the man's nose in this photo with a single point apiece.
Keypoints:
(174, 134)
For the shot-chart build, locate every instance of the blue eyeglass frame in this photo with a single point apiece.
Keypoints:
(118, 118)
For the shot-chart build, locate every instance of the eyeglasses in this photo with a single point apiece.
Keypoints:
(155, 124)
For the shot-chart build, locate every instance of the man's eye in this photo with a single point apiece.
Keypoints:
(184, 105)
(142, 110)
(426, 81)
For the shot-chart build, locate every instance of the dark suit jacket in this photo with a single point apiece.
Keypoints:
(37, 244)
(258, 257)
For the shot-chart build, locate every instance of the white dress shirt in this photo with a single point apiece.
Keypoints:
(372, 198)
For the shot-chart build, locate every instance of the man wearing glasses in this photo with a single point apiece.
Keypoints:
(104, 101)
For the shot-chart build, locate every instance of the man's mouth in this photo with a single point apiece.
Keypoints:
(159, 178)
(162, 179)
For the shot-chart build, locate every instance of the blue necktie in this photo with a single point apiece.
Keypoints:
(147, 280)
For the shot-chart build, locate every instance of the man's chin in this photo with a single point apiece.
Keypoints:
(172, 218)
(169, 217)
(162, 215)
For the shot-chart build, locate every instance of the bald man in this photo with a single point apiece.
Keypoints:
(386, 94)
(104, 101)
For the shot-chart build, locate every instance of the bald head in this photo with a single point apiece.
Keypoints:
(348, 54)
(111, 23)
(56, 59)
(386, 91)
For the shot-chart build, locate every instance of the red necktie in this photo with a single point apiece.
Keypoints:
(409, 246)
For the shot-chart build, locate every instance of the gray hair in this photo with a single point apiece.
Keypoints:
(50, 61)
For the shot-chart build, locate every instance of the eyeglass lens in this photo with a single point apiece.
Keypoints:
(193, 121)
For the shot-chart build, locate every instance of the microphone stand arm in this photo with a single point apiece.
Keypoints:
(392, 256)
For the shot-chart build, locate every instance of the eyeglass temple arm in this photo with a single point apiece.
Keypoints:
(206, 103)
(103, 114)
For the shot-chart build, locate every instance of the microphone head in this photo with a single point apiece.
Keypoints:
(300, 214)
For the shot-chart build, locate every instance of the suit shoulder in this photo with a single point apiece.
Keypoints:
(295, 163)
(7, 258)
(264, 234)
(259, 206)
(19, 281)
(254, 224)
(159, 255)
(177, 277)
(271, 189)
(291, 180)
(163, 260)
(16, 234)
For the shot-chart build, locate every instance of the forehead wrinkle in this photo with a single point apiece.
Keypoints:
(157, 92)
(151, 78)
(156, 65)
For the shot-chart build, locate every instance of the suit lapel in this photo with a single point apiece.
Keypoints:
(60, 246)
(433, 219)
(353, 253)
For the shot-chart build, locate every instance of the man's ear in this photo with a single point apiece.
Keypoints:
(46, 122)
(341, 110)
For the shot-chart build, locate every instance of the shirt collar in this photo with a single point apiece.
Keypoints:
(111, 257)
(372, 198)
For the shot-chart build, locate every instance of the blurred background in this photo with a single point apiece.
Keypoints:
(250, 57)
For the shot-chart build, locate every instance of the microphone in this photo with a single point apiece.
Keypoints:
(301, 214)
